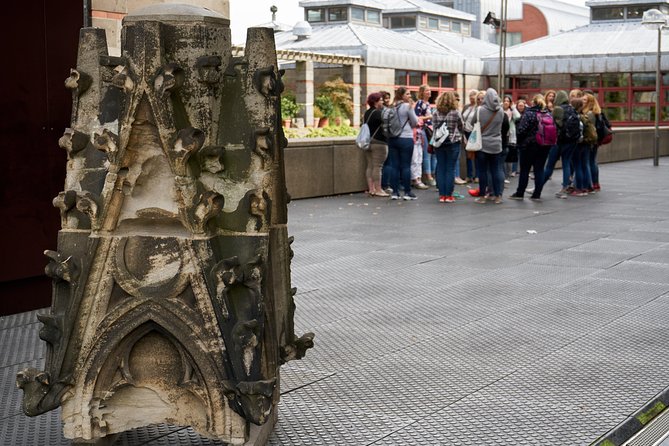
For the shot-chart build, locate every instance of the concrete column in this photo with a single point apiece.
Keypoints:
(352, 76)
(304, 86)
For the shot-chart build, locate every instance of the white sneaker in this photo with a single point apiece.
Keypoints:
(529, 191)
(507, 182)
(394, 197)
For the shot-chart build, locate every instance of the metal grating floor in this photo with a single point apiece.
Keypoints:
(453, 325)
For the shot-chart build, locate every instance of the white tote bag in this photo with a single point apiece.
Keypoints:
(474, 141)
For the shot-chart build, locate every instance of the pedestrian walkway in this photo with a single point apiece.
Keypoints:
(524, 323)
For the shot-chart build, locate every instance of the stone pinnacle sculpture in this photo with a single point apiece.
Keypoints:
(171, 298)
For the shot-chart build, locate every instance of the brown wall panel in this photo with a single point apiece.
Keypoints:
(34, 111)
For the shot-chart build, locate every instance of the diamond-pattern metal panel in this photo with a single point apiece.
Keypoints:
(452, 325)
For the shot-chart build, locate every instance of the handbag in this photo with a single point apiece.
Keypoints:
(364, 139)
(474, 143)
(439, 135)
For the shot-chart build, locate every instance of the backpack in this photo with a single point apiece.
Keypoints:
(572, 127)
(604, 132)
(439, 135)
(589, 131)
(364, 137)
(392, 126)
(546, 131)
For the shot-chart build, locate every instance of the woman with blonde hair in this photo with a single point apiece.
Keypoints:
(424, 114)
(468, 114)
(532, 154)
(448, 152)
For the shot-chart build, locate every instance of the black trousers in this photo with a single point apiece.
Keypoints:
(532, 156)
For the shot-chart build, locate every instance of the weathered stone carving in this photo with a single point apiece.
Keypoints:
(172, 299)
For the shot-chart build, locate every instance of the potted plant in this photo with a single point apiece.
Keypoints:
(338, 92)
(289, 108)
(318, 114)
(325, 105)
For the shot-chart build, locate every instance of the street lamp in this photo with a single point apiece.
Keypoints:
(492, 20)
(655, 19)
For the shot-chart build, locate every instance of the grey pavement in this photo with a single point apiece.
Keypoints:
(522, 323)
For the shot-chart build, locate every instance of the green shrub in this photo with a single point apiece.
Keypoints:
(289, 106)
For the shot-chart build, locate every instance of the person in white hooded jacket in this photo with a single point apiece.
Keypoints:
(491, 116)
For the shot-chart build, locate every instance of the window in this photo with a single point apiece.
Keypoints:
(373, 16)
(422, 21)
(438, 82)
(615, 80)
(514, 39)
(445, 25)
(433, 23)
(315, 15)
(467, 29)
(415, 78)
(456, 27)
(400, 77)
(636, 12)
(358, 14)
(525, 83)
(585, 81)
(616, 13)
(403, 22)
(336, 14)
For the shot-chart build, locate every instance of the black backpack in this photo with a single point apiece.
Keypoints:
(572, 129)
(604, 131)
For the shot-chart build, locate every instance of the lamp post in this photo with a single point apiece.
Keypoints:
(492, 20)
(655, 19)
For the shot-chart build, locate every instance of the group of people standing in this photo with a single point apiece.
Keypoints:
(512, 136)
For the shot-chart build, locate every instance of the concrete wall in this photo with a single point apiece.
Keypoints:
(333, 166)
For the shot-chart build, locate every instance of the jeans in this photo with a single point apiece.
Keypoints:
(581, 158)
(385, 174)
(469, 162)
(447, 157)
(564, 151)
(533, 156)
(594, 168)
(400, 151)
(553, 157)
(488, 163)
(429, 159)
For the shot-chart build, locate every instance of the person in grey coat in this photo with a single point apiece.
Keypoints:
(491, 117)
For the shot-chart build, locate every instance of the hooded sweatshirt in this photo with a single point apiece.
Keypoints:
(561, 99)
(491, 115)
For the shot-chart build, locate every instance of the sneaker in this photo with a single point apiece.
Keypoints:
(389, 190)
(410, 196)
(529, 191)
(507, 182)
(562, 193)
(394, 197)
(481, 200)
(578, 193)
(591, 190)
(597, 187)
(498, 200)
(535, 198)
(442, 198)
(459, 181)
(431, 182)
(420, 185)
(516, 197)
(513, 174)
(449, 200)
(476, 180)
(458, 196)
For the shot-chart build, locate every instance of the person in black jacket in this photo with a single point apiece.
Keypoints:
(532, 155)
(378, 148)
